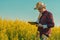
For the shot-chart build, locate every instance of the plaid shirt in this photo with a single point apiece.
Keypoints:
(46, 19)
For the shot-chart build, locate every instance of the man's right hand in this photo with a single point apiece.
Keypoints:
(39, 25)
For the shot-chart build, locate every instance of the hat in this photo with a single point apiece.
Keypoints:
(40, 5)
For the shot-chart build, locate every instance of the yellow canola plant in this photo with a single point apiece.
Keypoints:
(21, 30)
(16, 30)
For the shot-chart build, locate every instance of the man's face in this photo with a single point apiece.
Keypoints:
(40, 10)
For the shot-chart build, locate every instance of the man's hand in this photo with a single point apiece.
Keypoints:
(43, 26)
(39, 25)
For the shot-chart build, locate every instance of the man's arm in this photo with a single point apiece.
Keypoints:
(50, 21)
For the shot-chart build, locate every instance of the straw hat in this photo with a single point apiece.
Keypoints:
(40, 5)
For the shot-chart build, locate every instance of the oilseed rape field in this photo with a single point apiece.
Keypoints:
(22, 30)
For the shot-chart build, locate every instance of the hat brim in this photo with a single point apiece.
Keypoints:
(35, 8)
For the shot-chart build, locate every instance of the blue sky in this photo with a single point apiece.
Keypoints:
(24, 9)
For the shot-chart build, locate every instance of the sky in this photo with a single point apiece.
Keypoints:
(24, 9)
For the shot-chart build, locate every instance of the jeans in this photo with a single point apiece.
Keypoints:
(43, 37)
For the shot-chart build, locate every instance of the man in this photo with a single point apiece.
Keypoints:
(45, 20)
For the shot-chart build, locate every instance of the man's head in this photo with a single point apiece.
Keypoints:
(40, 6)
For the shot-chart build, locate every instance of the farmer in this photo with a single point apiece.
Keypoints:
(45, 20)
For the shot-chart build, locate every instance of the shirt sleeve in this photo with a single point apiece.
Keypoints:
(50, 21)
